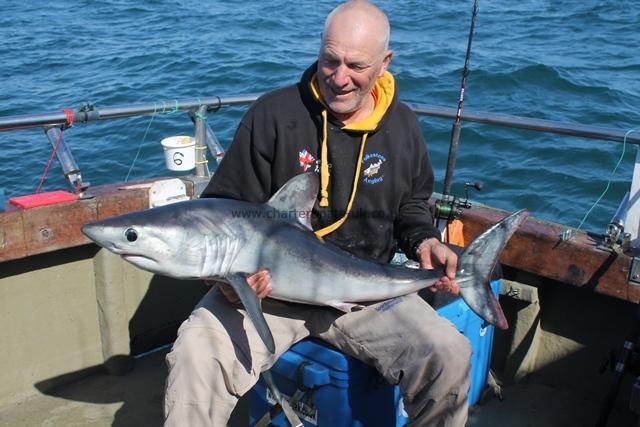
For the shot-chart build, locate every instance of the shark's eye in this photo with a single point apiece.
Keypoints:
(131, 234)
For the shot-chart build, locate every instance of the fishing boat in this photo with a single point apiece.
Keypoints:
(85, 333)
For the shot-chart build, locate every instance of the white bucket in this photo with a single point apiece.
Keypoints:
(179, 153)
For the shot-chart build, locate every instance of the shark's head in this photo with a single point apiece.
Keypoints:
(170, 240)
(204, 237)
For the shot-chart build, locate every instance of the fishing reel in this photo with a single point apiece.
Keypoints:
(450, 208)
(615, 237)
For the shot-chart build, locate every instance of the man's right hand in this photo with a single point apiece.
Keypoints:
(260, 282)
(434, 254)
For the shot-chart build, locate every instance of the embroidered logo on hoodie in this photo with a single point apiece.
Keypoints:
(373, 165)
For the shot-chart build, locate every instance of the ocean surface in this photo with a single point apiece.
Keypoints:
(575, 61)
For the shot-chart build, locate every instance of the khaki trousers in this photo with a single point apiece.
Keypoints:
(218, 355)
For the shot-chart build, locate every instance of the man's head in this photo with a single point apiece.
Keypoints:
(354, 52)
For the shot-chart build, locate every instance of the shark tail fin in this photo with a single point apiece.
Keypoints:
(476, 264)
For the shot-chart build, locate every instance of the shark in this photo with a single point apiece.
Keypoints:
(216, 238)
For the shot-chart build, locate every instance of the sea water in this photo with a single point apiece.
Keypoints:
(574, 61)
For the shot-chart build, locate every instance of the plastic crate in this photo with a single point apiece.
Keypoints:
(346, 392)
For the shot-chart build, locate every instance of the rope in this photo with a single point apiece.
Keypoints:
(146, 132)
(144, 137)
(70, 117)
(48, 165)
(201, 162)
(624, 147)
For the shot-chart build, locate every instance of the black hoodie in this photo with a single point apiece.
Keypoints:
(281, 136)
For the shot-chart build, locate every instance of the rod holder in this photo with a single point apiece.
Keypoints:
(63, 153)
(211, 140)
(615, 228)
(202, 170)
(214, 144)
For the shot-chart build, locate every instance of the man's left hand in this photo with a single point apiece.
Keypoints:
(434, 254)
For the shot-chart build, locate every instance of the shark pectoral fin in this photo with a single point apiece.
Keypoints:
(347, 307)
(253, 305)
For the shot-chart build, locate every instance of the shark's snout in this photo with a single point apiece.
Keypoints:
(91, 231)
(99, 234)
(87, 230)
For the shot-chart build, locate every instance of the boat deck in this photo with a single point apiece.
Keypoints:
(135, 399)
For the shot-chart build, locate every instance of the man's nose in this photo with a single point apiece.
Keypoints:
(340, 76)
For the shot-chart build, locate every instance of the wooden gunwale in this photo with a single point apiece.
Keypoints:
(26, 232)
(535, 248)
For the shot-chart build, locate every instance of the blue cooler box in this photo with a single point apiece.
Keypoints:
(342, 391)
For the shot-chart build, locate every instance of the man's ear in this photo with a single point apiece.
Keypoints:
(386, 61)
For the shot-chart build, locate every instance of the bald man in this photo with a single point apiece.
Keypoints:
(342, 120)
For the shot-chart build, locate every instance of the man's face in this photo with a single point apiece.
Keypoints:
(348, 66)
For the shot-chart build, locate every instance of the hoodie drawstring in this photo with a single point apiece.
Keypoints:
(324, 164)
(383, 93)
(324, 179)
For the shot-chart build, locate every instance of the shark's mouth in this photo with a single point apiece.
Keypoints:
(140, 260)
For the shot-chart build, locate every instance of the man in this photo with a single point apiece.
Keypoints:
(342, 120)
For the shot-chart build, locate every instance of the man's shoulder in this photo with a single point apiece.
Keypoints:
(280, 97)
(404, 110)
(402, 117)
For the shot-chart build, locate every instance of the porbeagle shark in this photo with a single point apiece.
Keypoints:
(230, 239)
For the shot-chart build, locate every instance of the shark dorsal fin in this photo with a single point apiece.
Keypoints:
(297, 197)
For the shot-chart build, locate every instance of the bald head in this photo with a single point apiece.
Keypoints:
(353, 55)
(364, 20)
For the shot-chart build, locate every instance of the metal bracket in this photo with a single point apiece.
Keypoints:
(632, 220)
(634, 272)
(166, 192)
(87, 112)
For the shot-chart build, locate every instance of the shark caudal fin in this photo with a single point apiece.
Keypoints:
(476, 264)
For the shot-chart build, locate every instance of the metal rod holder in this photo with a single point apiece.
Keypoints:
(211, 140)
(214, 144)
(63, 153)
(202, 170)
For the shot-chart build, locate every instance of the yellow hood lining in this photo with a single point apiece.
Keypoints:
(383, 92)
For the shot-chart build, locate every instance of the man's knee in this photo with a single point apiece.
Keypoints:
(200, 389)
(454, 354)
(204, 359)
(438, 388)
(198, 343)
(445, 365)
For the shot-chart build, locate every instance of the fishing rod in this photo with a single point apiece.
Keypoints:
(446, 208)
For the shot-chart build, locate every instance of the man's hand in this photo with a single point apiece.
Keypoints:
(433, 254)
(260, 282)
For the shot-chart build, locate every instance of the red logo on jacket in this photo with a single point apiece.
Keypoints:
(306, 160)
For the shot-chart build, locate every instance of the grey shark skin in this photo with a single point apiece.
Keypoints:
(230, 239)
